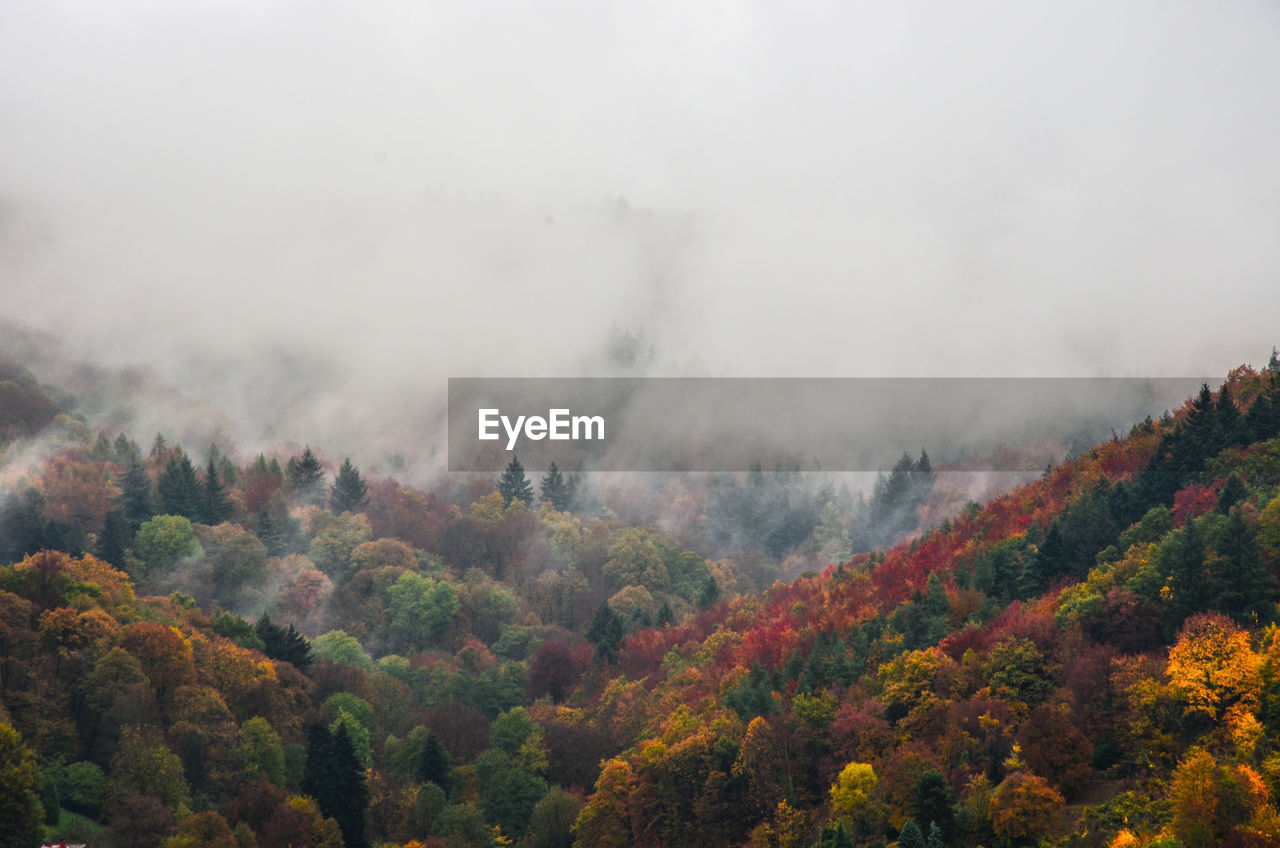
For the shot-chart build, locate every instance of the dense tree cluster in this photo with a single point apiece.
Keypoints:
(283, 652)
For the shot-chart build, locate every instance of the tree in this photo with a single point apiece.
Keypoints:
(513, 485)
(135, 495)
(20, 779)
(214, 508)
(349, 491)
(851, 799)
(910, 836)
(162, 541)
(305, 478)
(262, 749)
(933, 801)
(1212, 667)
(179, 490)
(284, 643)
(1024, 808)
(551, 825)
(555, 490)
(334, 778)
(421, 609)
(606, 632)
(434, 764)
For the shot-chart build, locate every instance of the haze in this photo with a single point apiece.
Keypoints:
(308, 214)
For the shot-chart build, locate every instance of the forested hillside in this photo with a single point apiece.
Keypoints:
(201, 648)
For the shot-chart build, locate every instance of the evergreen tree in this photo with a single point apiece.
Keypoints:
(835, 836)
(935, 839)
(1244, 588)
(115, 538)
(334, 778)
(179, 490)
(1182, 557)
(910, 836)
(349, 491)
(514, 485)
(435, 765)
(284, 643)
(1273, 364)
(709, 594)
(215, 508)
(606, 632)
(306, 478)
(932, 800)
(135, 495)
(554, 489)
(1232, 492)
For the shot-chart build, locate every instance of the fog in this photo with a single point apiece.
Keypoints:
(288, 222)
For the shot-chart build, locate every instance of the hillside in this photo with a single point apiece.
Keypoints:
(280, 650)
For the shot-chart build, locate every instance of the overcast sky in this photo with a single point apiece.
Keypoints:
(385, 194)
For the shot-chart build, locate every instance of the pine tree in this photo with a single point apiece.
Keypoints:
(1244, 587)
(333, 776)
(1185, 564)
(179, 490)
(306, 478)
(115, 538)
(215, 508)
(513, 485)
(435, 765)
(606, 632)
(349, 491)
(554, 489)
(284, 643)
(135, 495)
(911, 836)
(1273, 364)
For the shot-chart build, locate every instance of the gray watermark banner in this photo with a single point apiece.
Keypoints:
(804, 424)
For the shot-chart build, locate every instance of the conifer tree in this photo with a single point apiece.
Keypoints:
(306, 478)
(334, 778)
(179, 490)
(554, 489)
(606, 632)
(435, 765)
(349, 490)
(135, 495)
(514, 485)
(214, 506)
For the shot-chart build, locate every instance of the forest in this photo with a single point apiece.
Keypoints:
(204, 648)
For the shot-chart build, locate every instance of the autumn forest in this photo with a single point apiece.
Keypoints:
(201, 648)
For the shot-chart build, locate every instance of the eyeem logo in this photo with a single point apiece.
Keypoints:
(559, 425)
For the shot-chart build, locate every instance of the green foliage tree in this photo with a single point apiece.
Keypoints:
(933, 801)
(910, 836)
(341, 648)
(335, 543)
(349, 490)
(178, 488)
(214, 506)
(335, 779)
(305, 478)
(514, 485)
(551, 825)
(238, 558)
(20, 781)
(135, 495)
(555, 490)
(161, 542)
(434, 764)
(606, 632)
(262, 749)
(421, 609)
(284, 643)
